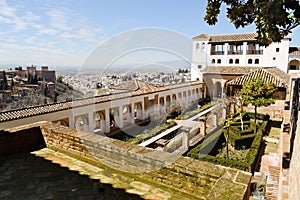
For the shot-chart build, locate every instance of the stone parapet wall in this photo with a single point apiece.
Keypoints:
(114, 153)
(181, 177)
(25, 138)
(294, 176)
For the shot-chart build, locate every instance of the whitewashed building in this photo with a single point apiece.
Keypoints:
(240, 50)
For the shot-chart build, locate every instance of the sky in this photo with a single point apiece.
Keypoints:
(67, 32)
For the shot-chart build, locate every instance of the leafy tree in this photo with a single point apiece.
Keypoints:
(273, 19)
(258, 93)
(227, 123)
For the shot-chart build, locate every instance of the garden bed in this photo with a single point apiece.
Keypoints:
(244, 146)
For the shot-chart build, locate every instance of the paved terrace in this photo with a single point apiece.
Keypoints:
(44, 109)
(111, 169)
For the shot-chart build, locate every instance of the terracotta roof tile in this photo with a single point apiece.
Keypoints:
(229, 37)
(236, 70)
(143, 88)
(294, 51)
(267, 75)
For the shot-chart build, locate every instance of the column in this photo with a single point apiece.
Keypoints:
(144, 114)
(91, 122)
(121, 119)
(244, 48)
(107, 121)
(71, 121)
(132, 114)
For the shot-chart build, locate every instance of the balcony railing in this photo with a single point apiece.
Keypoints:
(254, 51)
(217, 53)
(238, 52)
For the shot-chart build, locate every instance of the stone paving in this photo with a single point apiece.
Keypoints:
(26, 176)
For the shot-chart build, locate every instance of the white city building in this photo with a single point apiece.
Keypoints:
(237, 50)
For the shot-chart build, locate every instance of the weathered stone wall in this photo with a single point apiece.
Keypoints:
(183, 178)
(294, 176)
(114, 153)
(27, 138)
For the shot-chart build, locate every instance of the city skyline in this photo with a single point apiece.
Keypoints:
(65, 33)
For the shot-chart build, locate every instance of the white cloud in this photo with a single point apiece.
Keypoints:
(6, 10)
(58, 19)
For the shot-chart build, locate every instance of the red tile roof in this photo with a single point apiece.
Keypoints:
(268, 75)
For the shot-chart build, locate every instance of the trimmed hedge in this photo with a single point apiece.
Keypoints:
(239, 139)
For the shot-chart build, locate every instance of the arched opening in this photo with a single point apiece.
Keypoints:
(168, 103)
(218, 90)
(81, 123)
(179, 95)
(213, 61)
(237, 61)
(294, 65)
(249, 61)
(173, 97)
(138, 109)
(114, 117)
(128, 117)
(161, 101)
(230, 61)
(256, 61)
(219, 61)
(99, 122)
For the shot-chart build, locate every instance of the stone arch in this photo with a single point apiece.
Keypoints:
(114, 116)
(218, 90)
(179, 95)
(99, 121)
(138, 109)
(161, 101)
(294, 64)
(189, 93)
(81, 123)
(63, 122)
(197, 91)
(168, 103)
(174, 97)
(128, 117)
(184, 94)
(193, 92)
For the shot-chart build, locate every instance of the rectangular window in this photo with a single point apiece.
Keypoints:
(253, 48)
(277, 49)
(217, 49)
(235, 49)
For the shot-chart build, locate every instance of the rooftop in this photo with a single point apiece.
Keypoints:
(268, 75)
(236, 70)
(228, 37)
(141, 88)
